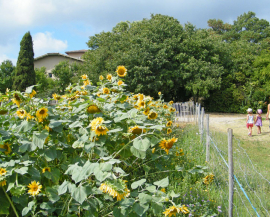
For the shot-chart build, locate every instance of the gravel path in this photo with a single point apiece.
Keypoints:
(237, 122)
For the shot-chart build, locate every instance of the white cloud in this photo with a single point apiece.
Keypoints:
(45, 43)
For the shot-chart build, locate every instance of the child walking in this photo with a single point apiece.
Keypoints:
(250, 119)
(258, 120)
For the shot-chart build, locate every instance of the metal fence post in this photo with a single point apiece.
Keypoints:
(202, 118)
(231, 177)
(207, 138)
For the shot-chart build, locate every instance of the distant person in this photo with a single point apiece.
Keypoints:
(250, 120)
(268, 113)
(258, 120)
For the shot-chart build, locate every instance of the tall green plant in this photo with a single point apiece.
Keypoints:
(25, 74)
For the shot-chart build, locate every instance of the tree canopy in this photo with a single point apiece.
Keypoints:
(161, 55)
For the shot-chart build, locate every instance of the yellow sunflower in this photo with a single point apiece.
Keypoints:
(96, 122)
(29, 117)
(48, 169)
(21, 113)
(121, 71)
(86, 82)
(167, 145)
(169, 130)
(6, 146)
(34, 188)
(106, 90)
(172, 210)
(184, 209)
(120, 83)
(163, 190)
(114, 191)
(101, 77)
(208, 179)
(32, 94)
(165, 106)
(93, 109)
(141, 104)
(101, 130)
(42, 114)
(146, 111)
(109, 77)
(84, 77)
(169, 123)
(3, 183)
(136, 130)
(16, 100)
(159, 93)
(2, 171)
(171, 102)
(56, 97)
(152, 115)
(172, 109)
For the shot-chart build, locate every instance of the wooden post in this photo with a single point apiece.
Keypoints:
(231, 178)
(207, 139)
(202, 117)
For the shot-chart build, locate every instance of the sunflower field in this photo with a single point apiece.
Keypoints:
(100, 151)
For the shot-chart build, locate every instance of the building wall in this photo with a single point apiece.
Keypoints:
(49, 62)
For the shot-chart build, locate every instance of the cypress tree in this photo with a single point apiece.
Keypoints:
(25, 73)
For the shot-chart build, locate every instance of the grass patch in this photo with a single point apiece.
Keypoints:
(249, 168)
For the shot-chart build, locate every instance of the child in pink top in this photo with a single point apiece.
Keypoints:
(250, 119)
(258, 120)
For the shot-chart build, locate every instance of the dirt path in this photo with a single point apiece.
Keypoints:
(237, 122)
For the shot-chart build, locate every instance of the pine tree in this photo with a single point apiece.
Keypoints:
(25, 74)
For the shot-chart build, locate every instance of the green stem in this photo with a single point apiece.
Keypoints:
(12, 205)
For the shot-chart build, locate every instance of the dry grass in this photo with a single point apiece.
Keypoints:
(257, 146)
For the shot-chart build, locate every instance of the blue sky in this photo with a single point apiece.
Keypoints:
(59, 26)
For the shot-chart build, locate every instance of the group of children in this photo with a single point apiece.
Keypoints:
(250, 121)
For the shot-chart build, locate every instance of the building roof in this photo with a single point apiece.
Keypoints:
(57, 54)
(76, 51)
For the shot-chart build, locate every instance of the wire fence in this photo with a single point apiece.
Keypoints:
(251, 189)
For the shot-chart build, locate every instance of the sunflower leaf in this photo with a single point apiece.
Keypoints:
(39, 138)
(79, 194)
(138, 153)
(136, 184)
(162, 183)
(141, 144)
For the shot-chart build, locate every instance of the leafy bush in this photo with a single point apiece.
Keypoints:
(100, 151)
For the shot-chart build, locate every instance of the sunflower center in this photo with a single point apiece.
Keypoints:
(137, 131)
(22, 112)
(17, 97)
(121, 71)
(152, 115)
(35, 188)
(5, 147)
(41, 112)
(169, 145)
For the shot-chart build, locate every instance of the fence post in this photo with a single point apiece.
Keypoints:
(231, 177)
(207, 138)
(195, 112)
(199, 117)
(202, 118)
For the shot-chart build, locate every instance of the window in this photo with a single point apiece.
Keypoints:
(50, 75)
